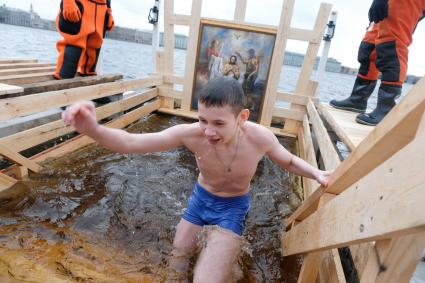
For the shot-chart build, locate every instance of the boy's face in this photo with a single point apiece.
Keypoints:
(220, 124)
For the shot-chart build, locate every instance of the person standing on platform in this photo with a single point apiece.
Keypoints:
(82, 24)
(384, 49)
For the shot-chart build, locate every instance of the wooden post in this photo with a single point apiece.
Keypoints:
(166, 102)
(307, 153)
(19, 172)
(19, 159)
(327, 149)
(310, 268)
(394, 260)
(240, 10)
(168, 37)
(6, 182)
(309, 60)
(421, 126)
(166, 58)
(330, 259)
(195, 21)
(331, 269)
(277, 61)
(159, 63)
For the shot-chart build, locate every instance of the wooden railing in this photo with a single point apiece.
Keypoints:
(10, 108)
(375, 195)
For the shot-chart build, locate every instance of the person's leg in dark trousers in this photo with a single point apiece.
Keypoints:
(394, 37)
(366, 77)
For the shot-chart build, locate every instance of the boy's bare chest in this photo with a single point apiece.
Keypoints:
(236, 161)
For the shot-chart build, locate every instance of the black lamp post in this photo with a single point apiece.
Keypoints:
(154, 13)
(330, 31)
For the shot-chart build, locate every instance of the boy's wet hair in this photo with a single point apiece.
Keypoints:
(222, 91)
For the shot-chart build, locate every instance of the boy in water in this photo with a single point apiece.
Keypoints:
(227, 148)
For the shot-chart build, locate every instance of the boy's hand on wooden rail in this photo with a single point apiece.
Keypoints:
(82, 116)
(323, 177)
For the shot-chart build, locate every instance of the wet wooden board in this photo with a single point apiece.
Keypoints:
(25, 65)
(25, 79)
(22, 71)
(52, 85)
(11, 61)
(6, 89)
(345, 126)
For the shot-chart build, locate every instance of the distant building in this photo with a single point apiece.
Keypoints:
(145, 37)
(297, 59)
(37, 22)
(13, 16)
(349, 71)
(293, 59)
(124, 34)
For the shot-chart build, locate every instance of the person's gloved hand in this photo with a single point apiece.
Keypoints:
(70, 11)
(111, 22)
(378, 11)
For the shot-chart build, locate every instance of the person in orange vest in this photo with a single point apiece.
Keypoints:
(384, 49)
(83, 24)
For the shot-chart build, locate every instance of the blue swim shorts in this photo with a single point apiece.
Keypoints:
(205, 208)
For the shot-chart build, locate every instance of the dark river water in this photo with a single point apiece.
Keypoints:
(99, 216)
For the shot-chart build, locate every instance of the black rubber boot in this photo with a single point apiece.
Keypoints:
(357, 102)
(70, 62)
(386, 101)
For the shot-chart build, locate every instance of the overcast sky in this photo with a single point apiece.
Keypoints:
(351, 24)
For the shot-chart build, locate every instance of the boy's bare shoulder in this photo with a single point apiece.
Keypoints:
(259, 135)
(187, 130)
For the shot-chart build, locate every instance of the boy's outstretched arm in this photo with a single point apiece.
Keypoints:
(82, 116)
(294, 164)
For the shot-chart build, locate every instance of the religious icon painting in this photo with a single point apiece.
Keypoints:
(238, 51)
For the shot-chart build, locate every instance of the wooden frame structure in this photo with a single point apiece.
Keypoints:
(53, 94)
(306, 88)
(374, 198)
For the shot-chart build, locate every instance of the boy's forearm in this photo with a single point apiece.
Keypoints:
(113, 139)
(300, 167)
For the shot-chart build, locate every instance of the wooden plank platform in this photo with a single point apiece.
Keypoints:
(25, 65)
(11, 61)
(345, 126)
(52, 85)
(27, 78)
(6, 89)
(23, 71)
